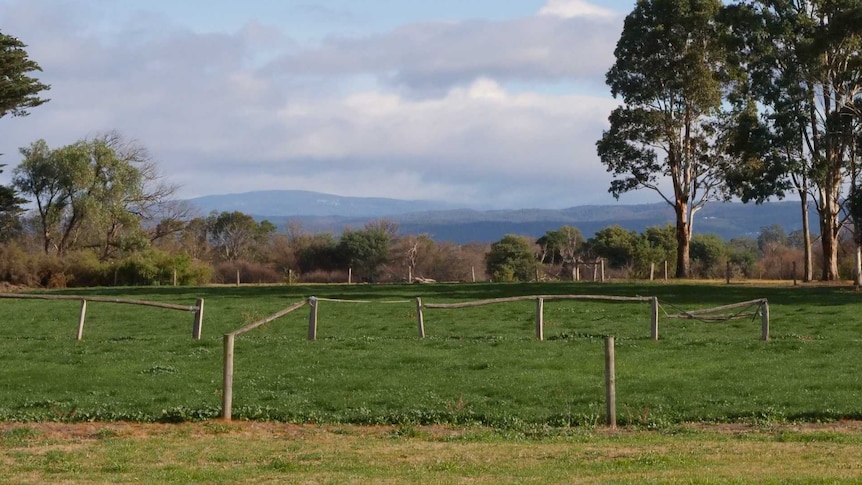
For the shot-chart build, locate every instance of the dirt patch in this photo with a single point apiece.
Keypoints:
(93, 431)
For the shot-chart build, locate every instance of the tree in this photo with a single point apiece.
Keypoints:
(10, 210)
(18, 93)
(237, 236)
(658, 244)
(617, 245)
(561, 247)
(804, 60)
(511, 259)
(709, 251)
(18, 90)
(367, 250)
(771, 237)
(93, 193)
(669, 72)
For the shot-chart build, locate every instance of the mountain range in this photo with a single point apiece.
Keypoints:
(443, 221)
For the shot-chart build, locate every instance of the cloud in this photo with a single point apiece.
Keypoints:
(568, 9)
(428, 110)
(436, 56)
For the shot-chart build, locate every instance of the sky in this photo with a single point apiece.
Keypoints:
(484, 103)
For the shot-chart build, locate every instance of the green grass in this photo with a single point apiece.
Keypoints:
(477, 365)
(275, 453)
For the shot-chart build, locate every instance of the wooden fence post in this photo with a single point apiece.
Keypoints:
(420, 317)
(81, 318)
(654, 319)
(794, 273)
(199, 319)
(312, 318)
(540, 318)
(610, 382)
(227, 383)
(764, 320)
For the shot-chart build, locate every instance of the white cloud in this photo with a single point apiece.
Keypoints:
(432, 57)
(568, 9)
(424, 111)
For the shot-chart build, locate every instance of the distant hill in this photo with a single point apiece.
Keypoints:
(328, 213)
(282, 203)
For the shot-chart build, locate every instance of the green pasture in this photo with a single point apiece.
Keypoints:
(477, 365)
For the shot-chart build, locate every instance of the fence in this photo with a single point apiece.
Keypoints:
(228, 340)
(198, 308)
(712, 314)
(540, 308)
(709, 314)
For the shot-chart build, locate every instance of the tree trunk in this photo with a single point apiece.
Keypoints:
(830, 249)
(857, 273)
(808, 264)
(683, 240)
(829, 230)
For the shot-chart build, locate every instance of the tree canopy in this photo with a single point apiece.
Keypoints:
(18, 90)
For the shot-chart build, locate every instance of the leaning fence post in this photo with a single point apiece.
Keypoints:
(610, 382)
(540, 318)
(654, 319)
(312, 318)
(420, 317)
(764, 320)
(83, 316)
(227, 383)
(199, 319)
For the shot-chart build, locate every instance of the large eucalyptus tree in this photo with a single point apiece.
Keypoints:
(670, 71)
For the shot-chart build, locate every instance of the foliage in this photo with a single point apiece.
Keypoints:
(367, 249)
(511, 259)
(669, 72)
(800, 103)
(710, 252)
(235, 235)
(92, 193)
(10, 211)
(561, 246)
(743, 253)
(617, 245)
(18, 90)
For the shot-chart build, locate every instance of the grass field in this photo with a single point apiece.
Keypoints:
(478, 366)
(256, 452)
(478, 401)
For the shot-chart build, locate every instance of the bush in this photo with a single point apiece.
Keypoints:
(249, 272)
(154, 267)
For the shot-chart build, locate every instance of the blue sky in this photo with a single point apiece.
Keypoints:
(484, 103)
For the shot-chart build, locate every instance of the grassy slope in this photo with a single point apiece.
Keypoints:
(477, 365)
